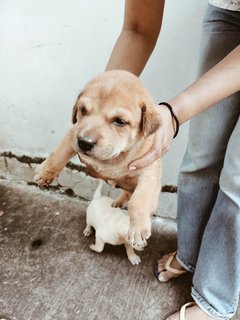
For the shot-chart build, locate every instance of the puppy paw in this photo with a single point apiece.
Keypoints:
(87, 231)
(138, 235)
(95, 247)
(134, 259)
(117, 204)
(122, 199)
(44, 175)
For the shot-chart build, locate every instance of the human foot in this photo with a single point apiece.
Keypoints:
(168, 267)
(190, 311)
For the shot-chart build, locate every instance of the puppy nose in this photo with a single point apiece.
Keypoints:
(86, 143)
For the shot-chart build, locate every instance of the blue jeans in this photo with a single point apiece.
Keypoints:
(209, 184)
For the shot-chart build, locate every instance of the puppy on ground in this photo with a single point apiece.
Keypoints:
(111, 225)
(114, 121)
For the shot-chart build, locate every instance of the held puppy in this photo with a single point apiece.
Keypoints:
(114, 121)
(111, 225)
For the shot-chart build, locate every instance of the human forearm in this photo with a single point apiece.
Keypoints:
(131, 52)
(218, 83)
(141, 27)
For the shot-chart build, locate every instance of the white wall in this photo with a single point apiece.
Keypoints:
(50, 48)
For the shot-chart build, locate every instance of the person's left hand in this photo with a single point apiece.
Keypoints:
(162, 140)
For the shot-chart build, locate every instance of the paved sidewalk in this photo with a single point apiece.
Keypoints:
(48, 271)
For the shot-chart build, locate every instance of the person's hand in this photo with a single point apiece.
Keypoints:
(162, 140)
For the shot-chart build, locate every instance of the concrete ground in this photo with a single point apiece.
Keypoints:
(48, 271)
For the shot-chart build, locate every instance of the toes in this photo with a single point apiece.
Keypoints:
(162, 262)
(164, 276)
(136, 241)
(116, 204)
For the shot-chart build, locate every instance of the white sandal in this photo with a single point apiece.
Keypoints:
(183, 309)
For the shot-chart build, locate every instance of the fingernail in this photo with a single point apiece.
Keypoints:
(132, 168)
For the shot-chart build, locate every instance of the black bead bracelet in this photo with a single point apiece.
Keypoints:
(173, 114)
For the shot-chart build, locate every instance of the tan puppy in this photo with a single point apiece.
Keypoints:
(111, 225)
(114, 119)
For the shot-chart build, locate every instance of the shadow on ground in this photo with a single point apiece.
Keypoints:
(48, 271)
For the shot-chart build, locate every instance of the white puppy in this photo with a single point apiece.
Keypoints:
(111, 225)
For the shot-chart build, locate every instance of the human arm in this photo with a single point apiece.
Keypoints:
(141, 27)
(218, 83)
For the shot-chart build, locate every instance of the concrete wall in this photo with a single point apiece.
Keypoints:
(50, 48)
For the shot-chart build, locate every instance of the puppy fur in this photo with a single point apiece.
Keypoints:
(114, 119)
(111, 225)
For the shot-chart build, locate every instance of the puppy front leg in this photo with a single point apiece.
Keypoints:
(140, 224)
(122, 199)
(132, 256)
(141, 206)
(53, 165)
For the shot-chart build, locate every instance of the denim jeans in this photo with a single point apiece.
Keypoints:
(209, 184)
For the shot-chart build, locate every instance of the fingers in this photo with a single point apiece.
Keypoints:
(146, 160)
(157, 150)
(162, 141)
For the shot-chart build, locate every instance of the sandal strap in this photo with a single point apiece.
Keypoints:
(183, 309)
(173, 270)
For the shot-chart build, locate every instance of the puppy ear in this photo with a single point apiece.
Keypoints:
(150, 120)
(74, 111)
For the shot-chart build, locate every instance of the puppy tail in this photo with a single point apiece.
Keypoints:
(98, 191)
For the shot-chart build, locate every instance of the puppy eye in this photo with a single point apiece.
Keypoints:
(83, 110)
(119, 122)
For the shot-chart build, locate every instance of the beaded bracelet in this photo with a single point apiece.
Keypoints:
(173, 114)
